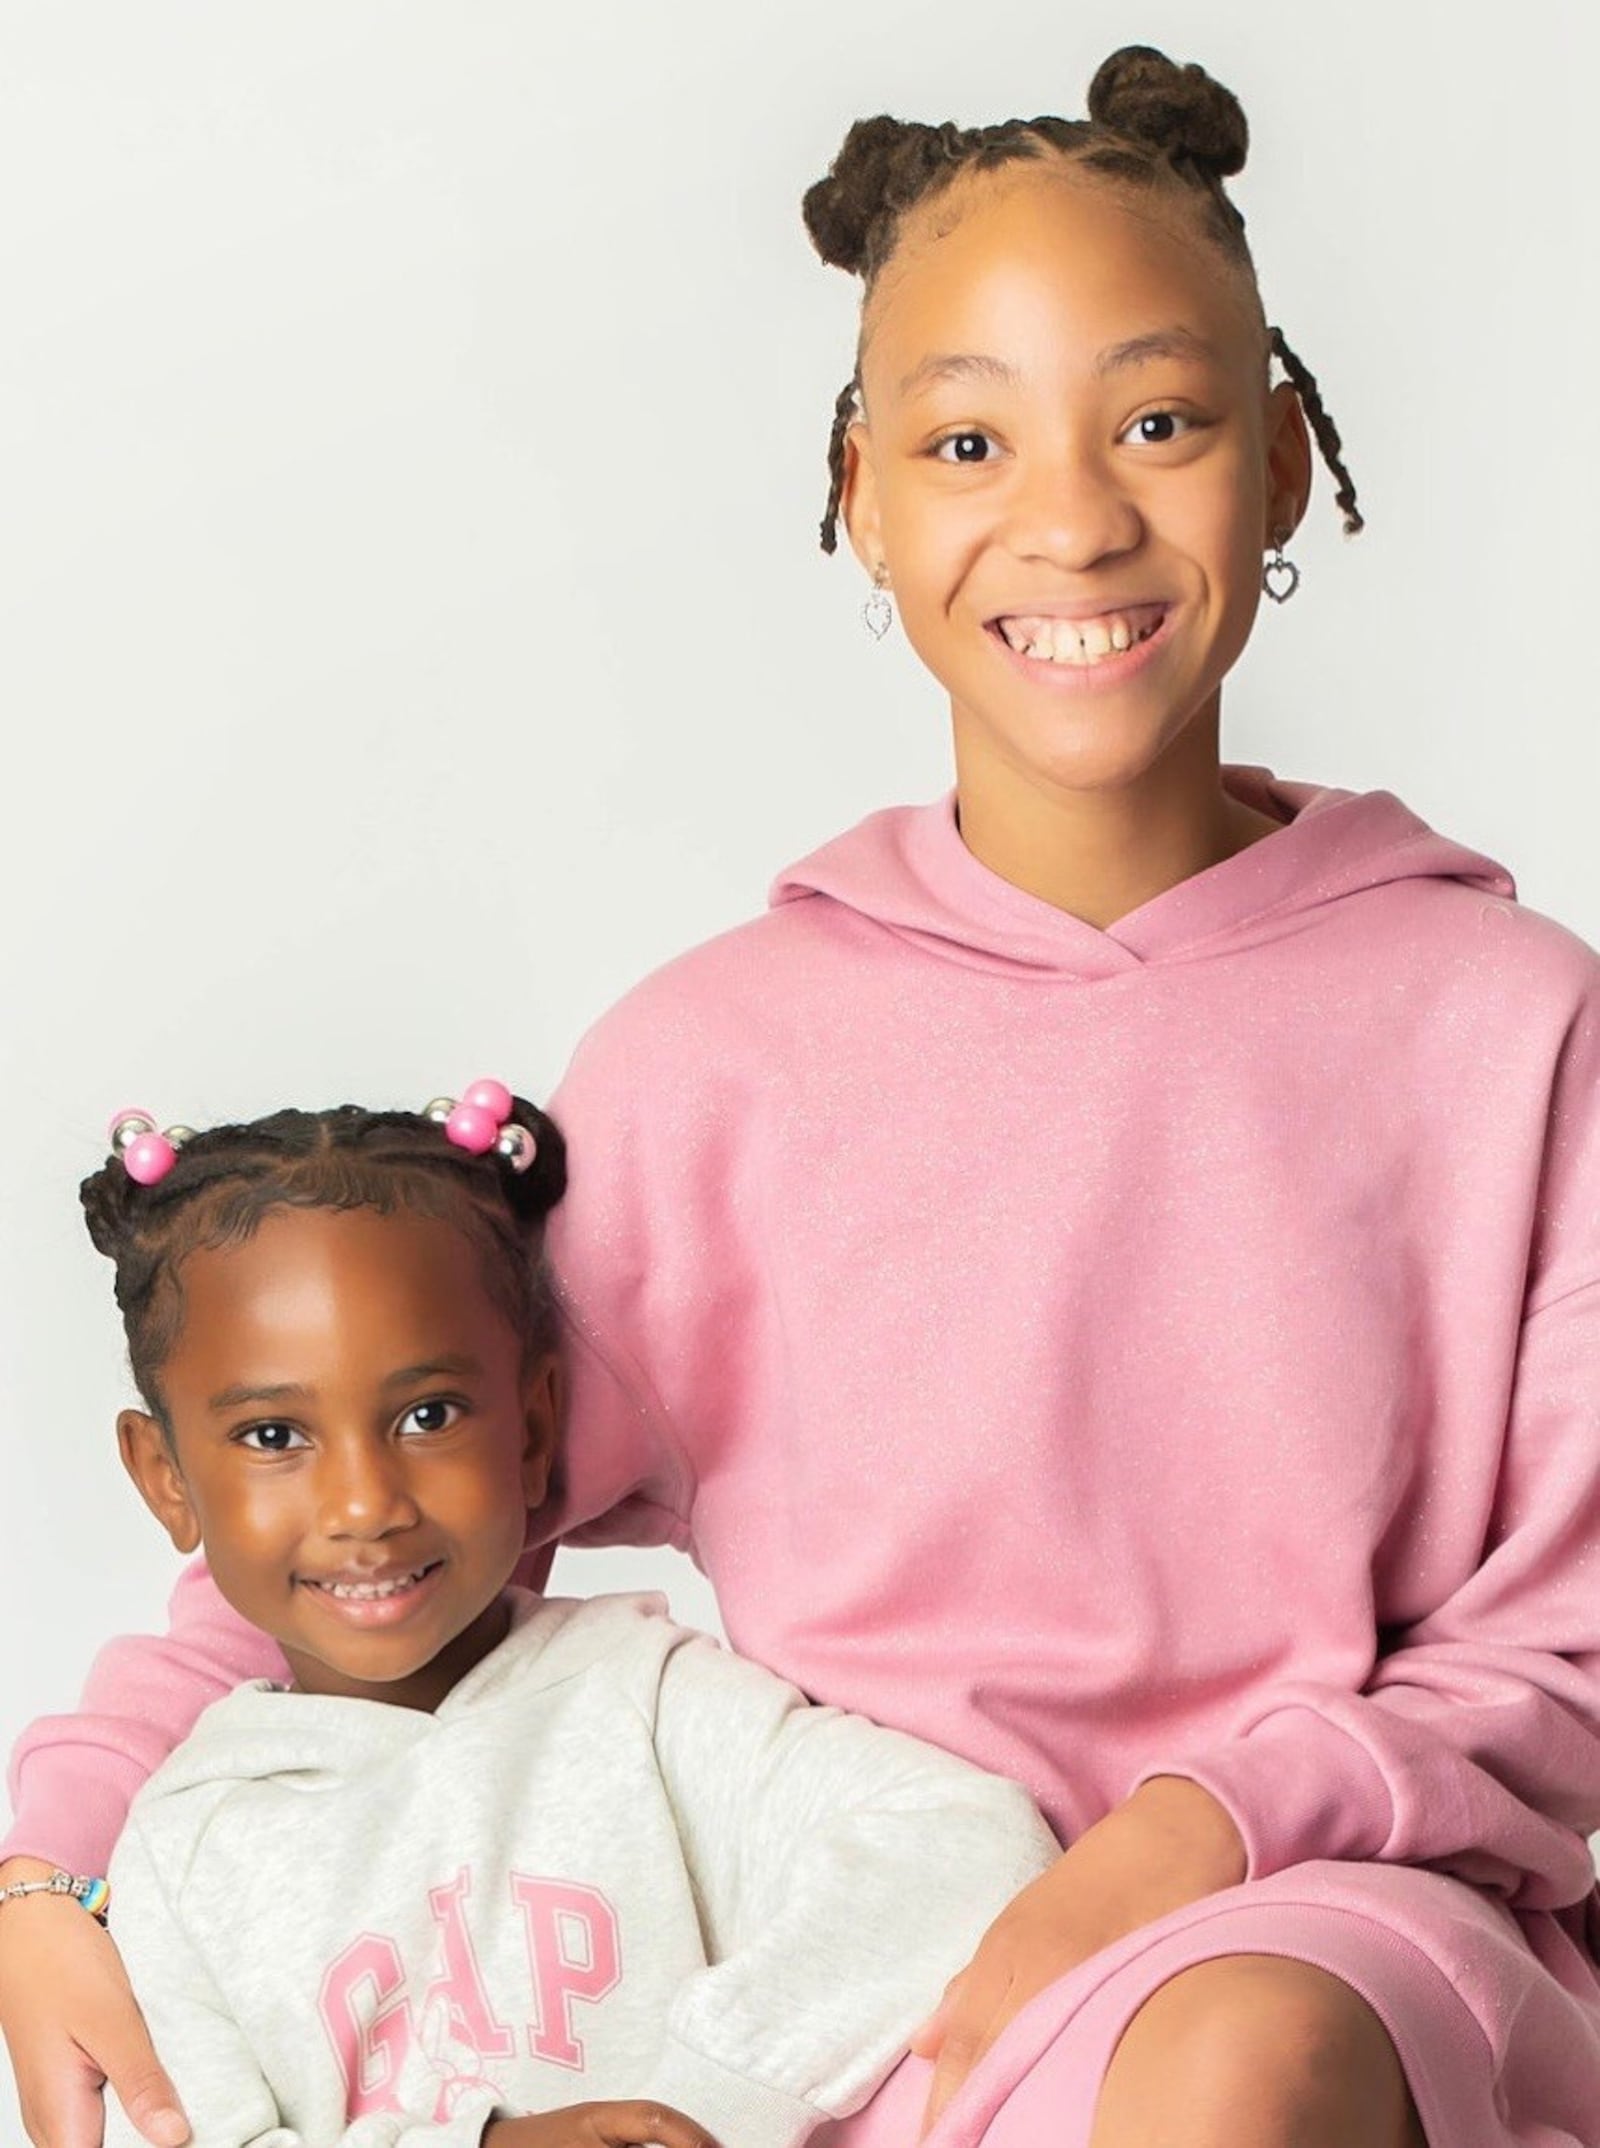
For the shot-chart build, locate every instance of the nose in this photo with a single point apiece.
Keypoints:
(362, 1489)
(1070, 509)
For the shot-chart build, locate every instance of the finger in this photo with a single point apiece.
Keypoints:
(632, 2125)
(59, 2096)
(118, 2045)
(973, 2024)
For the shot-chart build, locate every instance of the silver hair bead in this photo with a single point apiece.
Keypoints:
(518, 1146)
(128, 1128)
(439, 1109)
(178, 1135)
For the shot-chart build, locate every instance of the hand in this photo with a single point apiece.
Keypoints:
(72, 2023)
(598, 2125)
(1169, 1844)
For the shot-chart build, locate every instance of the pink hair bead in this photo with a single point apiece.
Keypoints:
(491, 1096)
(148, 1158)
(469, 1126)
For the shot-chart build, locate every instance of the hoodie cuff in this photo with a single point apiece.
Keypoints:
(1297, 1788)
(735, 2110)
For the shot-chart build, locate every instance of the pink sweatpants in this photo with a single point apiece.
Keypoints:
(1496, 2017)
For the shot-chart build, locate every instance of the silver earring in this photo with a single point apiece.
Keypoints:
(1280, 577)
(878, 611)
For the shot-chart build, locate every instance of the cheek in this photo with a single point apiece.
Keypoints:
(248, 1512)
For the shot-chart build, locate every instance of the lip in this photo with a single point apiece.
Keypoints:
(370, 1611)
(1110, 672)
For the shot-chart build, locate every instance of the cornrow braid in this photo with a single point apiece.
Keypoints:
(227, 1179)
(1151, 125)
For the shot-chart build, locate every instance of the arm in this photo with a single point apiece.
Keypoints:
(843, 1873)
(73, 1776)
(68, 2013)
(631, 1299)
(1475, 1745)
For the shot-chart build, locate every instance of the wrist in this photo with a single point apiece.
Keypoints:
(85, 1889)
(17, 1869)
(1191, 1811)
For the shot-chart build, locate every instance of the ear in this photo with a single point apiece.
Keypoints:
(858, 502)
(1288, 463)
(542, 1404)
(148, 1458)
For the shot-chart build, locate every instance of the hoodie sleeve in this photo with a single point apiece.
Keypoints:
(844, 1873)
(224, 2092)
(627, 1246)
(1474, 1747)
(73, 1776)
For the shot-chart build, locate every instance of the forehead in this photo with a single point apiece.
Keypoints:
(308, 1278)
(1039, 263)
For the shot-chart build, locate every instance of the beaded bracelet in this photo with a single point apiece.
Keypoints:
(94, 1894)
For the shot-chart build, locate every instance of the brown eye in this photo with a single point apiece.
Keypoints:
(963, 447)
(436, 1416)
(272, 1438)
(1157, 427)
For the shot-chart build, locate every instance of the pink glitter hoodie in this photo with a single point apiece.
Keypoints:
(1170, 1349)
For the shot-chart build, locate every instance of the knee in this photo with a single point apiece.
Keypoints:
(1285, 2045)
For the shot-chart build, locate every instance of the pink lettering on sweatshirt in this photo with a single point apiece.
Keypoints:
(388, 2050)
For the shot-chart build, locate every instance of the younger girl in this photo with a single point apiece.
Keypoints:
(485, 1854)
(1106, 1272)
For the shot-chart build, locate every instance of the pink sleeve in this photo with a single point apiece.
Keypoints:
(73, 1777)
(623, 1476)
(1475, 1745)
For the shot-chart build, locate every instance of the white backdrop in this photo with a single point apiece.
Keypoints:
(413, 424)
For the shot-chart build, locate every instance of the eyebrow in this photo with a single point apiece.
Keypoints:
(433, 1368)
(1175, 342)
(231, 1398)
(957, 365)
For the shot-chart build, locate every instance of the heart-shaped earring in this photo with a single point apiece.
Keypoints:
(1280, 577)
(878, 611)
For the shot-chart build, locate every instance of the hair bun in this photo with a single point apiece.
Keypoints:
(1140, 93)
(882, 167)
(534, 1192)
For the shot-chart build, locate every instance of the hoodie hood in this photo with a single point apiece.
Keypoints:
(909, 870)
(263, 1731)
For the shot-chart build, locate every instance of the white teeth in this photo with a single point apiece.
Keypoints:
(370, 1591)
(1081, 643)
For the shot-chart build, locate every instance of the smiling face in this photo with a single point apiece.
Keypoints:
(356, 1437)
(1070, 465)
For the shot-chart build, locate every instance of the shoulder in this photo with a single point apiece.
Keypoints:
(1534, 978)
(1515, 963)
(628, 1639)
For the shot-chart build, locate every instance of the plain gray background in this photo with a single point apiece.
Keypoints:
(413, 425)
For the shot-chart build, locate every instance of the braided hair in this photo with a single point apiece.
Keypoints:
(227, 1179)
(1152, 124)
